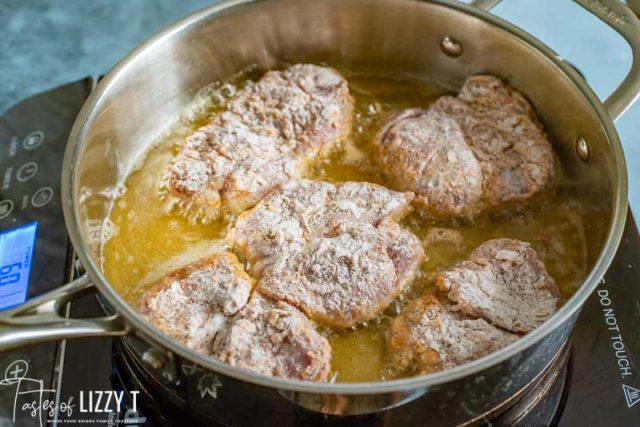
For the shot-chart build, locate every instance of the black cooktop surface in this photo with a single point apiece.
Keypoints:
(602, 386)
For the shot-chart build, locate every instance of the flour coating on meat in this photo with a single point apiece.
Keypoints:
(426, 152)
(348, 276)
(468, 153)
(192, 304)
(274, 338)
(264, 137)
(334, 251)
(429, 336)
(506, 137)
(505, 282)
(301, 210)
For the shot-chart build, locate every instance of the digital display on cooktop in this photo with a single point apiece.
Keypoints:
(16, 252)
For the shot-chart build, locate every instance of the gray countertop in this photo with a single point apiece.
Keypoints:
(46, 43)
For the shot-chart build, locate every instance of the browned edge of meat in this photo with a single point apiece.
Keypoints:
(505, 282)
(428, 336)
(192, 303)
(274, 338)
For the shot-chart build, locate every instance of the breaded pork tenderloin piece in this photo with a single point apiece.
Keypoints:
(332, 250)
(264, 138)
(274, 338)
(289, 218)
(425, 151)
(506, 137)
(193, 303)
(428, 336)
(490, 92)
(469, 153)
(348, 276)
(505, 282)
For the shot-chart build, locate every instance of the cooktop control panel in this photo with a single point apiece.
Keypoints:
(34, 245)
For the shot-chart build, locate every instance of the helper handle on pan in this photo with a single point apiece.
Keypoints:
(41, 319)
(622, 19)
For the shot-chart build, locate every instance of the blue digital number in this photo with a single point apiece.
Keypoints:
(16, 251)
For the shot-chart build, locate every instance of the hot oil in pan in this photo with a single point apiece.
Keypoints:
(149, 240)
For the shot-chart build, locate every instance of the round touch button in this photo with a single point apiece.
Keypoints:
(42, 197)
(6, 207)
(27, 171)
(16, 370)
(33, 140)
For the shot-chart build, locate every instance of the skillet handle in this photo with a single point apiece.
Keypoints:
(40, 319)
(622, 19)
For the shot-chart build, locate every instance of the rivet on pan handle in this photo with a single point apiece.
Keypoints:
(41, 319)
(622, 19)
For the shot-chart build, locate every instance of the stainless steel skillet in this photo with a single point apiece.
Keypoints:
(442, 41)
